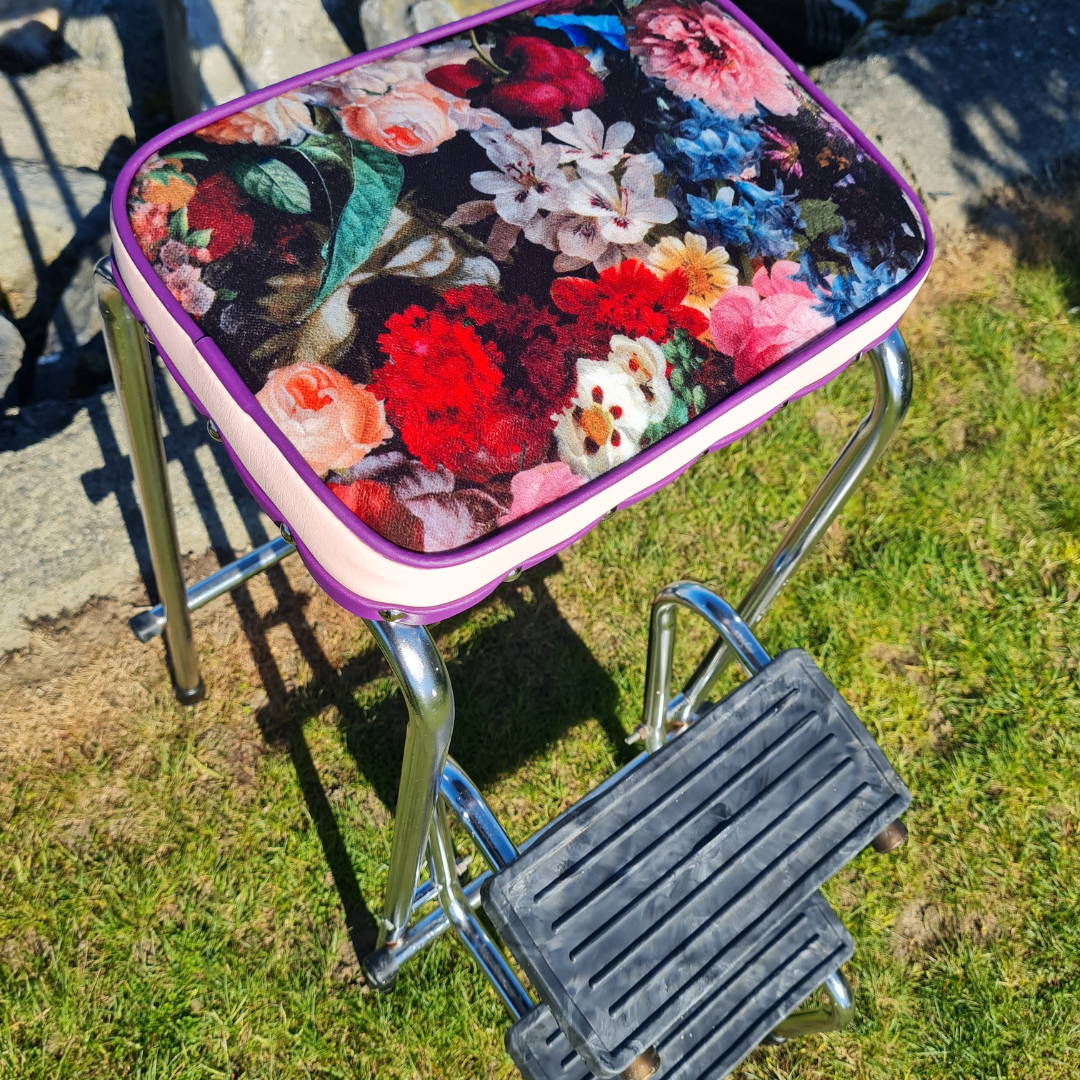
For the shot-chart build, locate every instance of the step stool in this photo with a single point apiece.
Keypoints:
(449, 304)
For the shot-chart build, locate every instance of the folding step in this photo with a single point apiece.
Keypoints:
(643, 901)
(768, 980)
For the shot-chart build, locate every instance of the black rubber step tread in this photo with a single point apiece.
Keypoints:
(770, 979)
(616, 910)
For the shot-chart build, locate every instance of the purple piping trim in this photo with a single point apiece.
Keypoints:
(244, 397)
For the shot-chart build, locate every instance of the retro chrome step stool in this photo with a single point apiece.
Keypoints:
(315, 284)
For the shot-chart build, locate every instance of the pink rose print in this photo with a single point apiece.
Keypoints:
(184, 280)
(414, 507)
(282, 119)
(757, 326)
(698, 51)
(539, 486)
(329, 419)
(150, 223)
(413, 118)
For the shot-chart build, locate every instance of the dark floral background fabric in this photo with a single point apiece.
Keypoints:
(465, 280)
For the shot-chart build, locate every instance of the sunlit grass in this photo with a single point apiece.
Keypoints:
(168, 911)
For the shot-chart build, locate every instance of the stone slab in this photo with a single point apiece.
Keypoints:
(73, 529)
(41, 207)
(219, 50)
(11, 351)
(980, 102)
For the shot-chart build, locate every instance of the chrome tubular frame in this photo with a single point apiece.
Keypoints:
(460, 915)
(724, 619)
(148, 624)
(839, 1012)
(133, 377)
(421, 676)
(466, 803)
(892, 396)
(431, 782)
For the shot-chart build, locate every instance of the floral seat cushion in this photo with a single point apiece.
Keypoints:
(469, 279)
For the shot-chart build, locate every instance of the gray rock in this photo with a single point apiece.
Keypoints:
(221, 49)
(387, 21)
(11, 352)
(76, 319)
(69, 114)
(976, 104)
(29, 47)
(38, 223)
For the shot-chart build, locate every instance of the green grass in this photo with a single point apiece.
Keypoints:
(179, 899)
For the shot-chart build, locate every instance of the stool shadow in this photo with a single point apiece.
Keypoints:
(519, 685)
(282, 726)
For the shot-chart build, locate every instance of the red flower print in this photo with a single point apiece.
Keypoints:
(544, 348)
(150, 223)
(216, 206)
(629, 299)
(443, 388)
(545, 83)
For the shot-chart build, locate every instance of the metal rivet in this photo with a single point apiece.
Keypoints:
(212, 431)
(286, 533)
(392, 614)
(514, 574)
(609, 513)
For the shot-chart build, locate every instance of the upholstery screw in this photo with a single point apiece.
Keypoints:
(212, 431)
(391, 615)
(514, 574)
(286, 533)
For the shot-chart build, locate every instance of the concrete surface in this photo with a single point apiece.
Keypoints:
(221, 49)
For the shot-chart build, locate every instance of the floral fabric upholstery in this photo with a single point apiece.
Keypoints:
(468, 279)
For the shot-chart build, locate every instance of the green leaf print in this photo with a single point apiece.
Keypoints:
(377, 179)
(272, 181)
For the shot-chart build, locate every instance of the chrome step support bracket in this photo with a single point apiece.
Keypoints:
(838, 1013)
(892, 397)
(723, 618)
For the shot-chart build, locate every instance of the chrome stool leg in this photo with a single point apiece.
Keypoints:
(892, 396)
(133, 377)
(455, 906)
(425, 685)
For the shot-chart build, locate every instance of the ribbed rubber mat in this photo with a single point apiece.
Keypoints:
(619, 907)
(766, 982)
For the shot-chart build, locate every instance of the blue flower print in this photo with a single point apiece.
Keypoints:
(578, 28)
(776, 217)
(721, 218)
(717, 148)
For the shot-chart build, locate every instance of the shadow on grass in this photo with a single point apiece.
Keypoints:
(519, 685)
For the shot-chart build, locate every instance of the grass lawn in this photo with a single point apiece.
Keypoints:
(183, 891)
